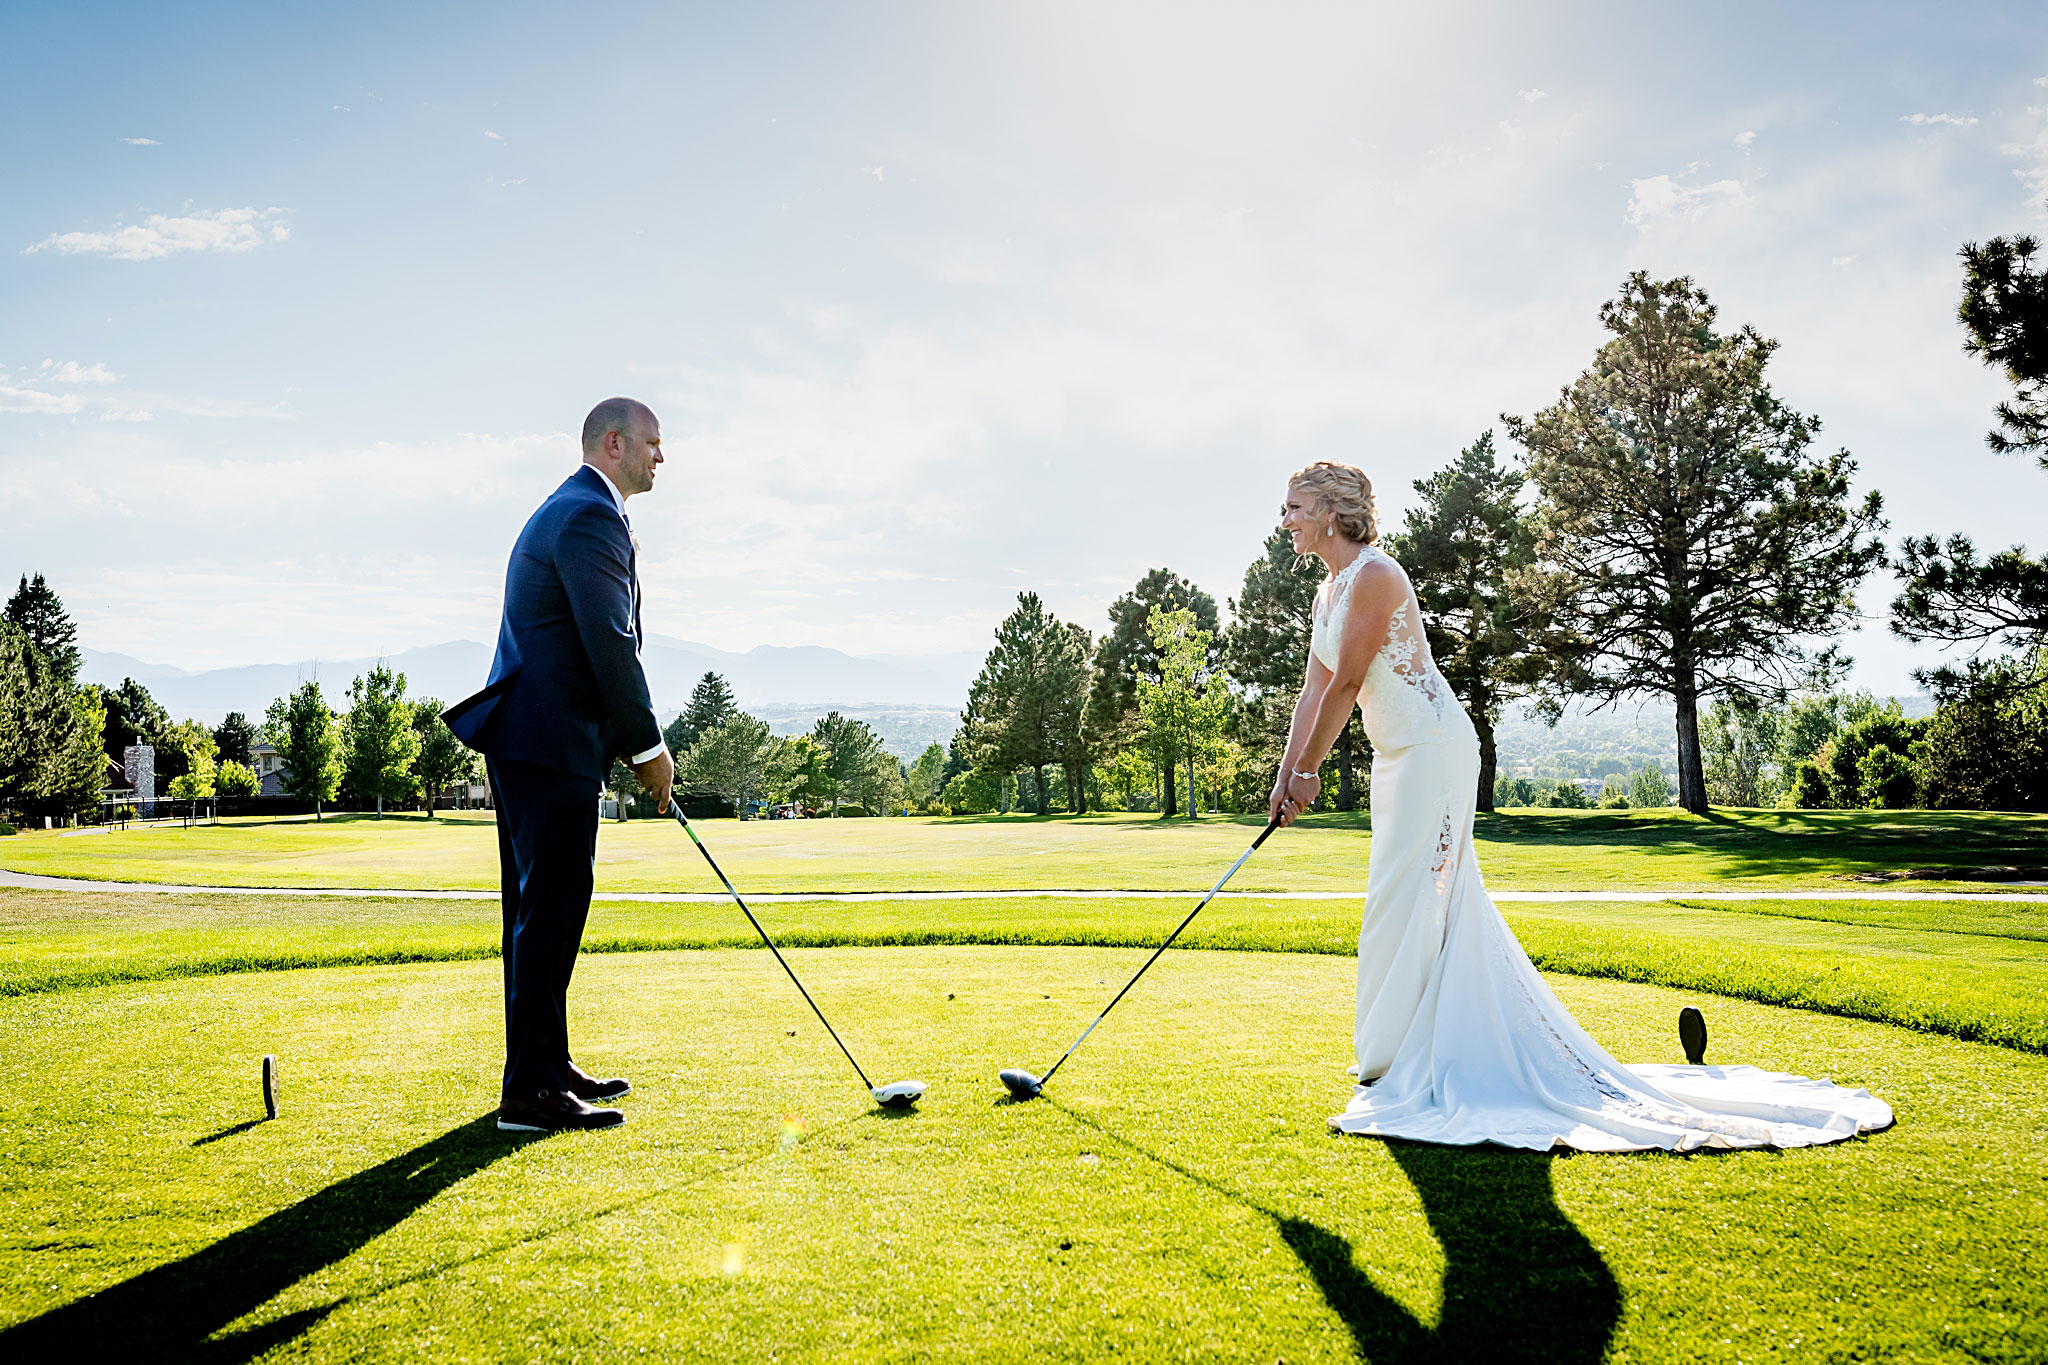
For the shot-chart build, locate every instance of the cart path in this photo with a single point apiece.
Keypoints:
(36, 881)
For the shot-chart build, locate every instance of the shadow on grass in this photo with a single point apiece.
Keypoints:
(1521, 1282)
(170, 1313)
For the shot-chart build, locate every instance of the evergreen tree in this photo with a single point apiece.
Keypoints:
(1025, 708)
(377, 738)
(1467, 547)
(1265, 652)
(2004, 313)
(133, 717)
(1692, 540)
(442, 760)
(1986, 745)
(1950, 596)
(308, 742)
(233, 738)
(1127, 653)
(39, 613)
(711, 704)
(51, 761)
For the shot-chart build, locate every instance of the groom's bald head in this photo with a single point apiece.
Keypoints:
(623, 439)
(614, 414)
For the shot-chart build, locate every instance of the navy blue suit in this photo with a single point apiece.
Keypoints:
(565, 698)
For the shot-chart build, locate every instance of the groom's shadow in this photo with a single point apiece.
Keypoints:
(170, 1313)
(1521, 1282)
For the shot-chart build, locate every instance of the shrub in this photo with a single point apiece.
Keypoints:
(1809, 789)
(1886, 779)
(1567, 795)
(237, 779)
(5, 829)
(1613, 797)
(851, 810)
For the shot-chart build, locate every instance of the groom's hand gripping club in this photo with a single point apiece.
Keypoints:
(658, 776)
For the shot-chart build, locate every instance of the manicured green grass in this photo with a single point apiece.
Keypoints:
(1175, 1197)
(1971, 969)
(1522, 850)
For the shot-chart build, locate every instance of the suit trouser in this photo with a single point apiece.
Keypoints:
(547, 851)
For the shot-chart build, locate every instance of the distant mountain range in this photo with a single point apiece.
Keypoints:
(789, 679)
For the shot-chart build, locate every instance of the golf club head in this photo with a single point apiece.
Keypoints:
(898, 1094)
(1021, 1084)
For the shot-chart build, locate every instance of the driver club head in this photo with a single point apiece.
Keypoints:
(1021, 1084)
(898, 1094)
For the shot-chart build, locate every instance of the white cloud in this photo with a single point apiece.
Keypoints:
(1531, 96)
(160, 235)
(492, 136)
(1661, 197)
(71, 372)
(1927, 120)
(2041, 80)
(1842, 260)
(34, 400)
(127, 415)
(875, 171)
(139, 141)
(1743, 139)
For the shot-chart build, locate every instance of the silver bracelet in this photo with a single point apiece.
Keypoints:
(1313, 777)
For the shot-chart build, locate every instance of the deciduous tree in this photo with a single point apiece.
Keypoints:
(378, 741)
(441, 760)
(1183, 710)
(1698, 541)
(1126, 653)
(738, 759)
(308, 742)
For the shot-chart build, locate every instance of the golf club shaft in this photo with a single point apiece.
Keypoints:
(1270, 827)
(683, 820)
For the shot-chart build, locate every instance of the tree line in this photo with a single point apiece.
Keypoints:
(1667, 528)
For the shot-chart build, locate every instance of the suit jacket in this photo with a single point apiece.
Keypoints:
(566, 689)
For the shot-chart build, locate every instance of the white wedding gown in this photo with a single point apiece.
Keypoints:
(1459, 1037)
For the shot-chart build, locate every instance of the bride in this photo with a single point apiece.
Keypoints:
(1459, 1040)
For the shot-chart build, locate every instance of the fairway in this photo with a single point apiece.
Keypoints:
(1519, 850)
(1175, 1196)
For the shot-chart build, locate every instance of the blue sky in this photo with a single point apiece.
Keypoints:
(298, 310)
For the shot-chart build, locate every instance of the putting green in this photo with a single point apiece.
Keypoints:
(1175, 1196)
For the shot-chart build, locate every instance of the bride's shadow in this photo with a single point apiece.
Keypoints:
(1521, 1282)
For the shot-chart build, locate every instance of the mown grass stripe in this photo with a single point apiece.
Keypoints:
(1571, 950)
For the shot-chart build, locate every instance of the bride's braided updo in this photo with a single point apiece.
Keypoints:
(1346, 493)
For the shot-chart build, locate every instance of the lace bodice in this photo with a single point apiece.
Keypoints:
(1405, 700)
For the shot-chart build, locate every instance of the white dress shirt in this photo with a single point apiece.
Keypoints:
(619, 501)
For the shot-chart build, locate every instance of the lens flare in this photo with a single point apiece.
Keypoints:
(793, 1130)
(735, 1258)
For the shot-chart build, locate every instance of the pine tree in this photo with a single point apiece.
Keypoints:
(234, 737)
(133, 717)
(711, 705)
(1693, 542)
(1467, 547)
(50, 757)
(39, 613)
(1026, 707)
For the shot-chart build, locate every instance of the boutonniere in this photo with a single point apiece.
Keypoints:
(636, 541)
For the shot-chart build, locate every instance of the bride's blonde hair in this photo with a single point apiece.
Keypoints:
(1345, 492)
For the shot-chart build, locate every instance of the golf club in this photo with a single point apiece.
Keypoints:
(1023, 1085)
(895, 1095)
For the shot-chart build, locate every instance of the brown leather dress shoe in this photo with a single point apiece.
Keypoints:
(551, 1111)
(585, 1086)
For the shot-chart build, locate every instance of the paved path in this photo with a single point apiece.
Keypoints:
(34, 880)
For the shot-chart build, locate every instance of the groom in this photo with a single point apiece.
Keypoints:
(566, 696)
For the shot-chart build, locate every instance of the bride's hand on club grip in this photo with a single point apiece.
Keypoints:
(1301, 793)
